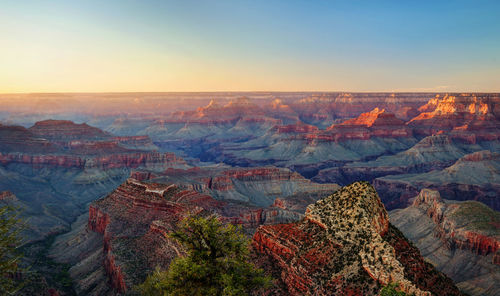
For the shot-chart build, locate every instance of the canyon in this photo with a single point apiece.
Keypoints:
(345, 245)
(449, 231)
(128, 229)
(258, 160)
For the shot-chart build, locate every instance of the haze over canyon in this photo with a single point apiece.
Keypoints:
(340, 193)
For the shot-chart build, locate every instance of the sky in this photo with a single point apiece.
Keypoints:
(122, 46)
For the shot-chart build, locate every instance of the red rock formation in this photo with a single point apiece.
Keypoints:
(417, 269)
(457, 224)
(137, 141)
(225, 181)
(128, 159)
(142, 175)
(468, 117)
(98, 221)
(376, 123)
(19, 139)
(345, 245)
(216, 113)
(66, 130)
(141, 212)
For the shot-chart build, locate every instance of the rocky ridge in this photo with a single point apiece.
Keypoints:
(462, 239)
(346, 245)
(139, 215)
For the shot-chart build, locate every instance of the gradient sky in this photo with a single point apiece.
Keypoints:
(99, 46)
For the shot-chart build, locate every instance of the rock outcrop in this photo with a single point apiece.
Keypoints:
(20, 139)
(258, 186)
(65, 130)
(60, 143)
(345, 245)
(139, 215)
(461, 238)
(470, 118)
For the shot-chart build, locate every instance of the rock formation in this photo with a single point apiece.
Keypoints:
(345, 245)
(475, 176)
(469, 117)
(431, 153)
(462, 239)
(139, 215)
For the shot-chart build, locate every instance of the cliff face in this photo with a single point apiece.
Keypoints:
(468, 225)
(345, 245)
(18, 138)
(460, 238)
(65, 130)
(258, 185)
(126, 217)
(376, 123)
(60, 143)
(153, 160)
(431, 153)
(139, 215)
(468, 117)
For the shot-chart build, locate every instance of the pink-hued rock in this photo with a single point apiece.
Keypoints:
(467, 117)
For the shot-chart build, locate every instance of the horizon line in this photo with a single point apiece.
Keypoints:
(246, 91)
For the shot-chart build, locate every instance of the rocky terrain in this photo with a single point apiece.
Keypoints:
(125, 236)
(471, 118)
(56, 167)
(257, 185)
(462, 239)
(260, 158)
(475, 176)
(431, 153)
(345, 246)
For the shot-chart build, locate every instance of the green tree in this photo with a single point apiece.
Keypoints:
(216, 263)
(390, 290)
(10, 241)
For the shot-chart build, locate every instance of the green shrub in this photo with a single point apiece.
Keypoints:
(216, 263)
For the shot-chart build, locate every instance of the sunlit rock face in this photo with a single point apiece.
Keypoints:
(345, 245)
(469, 117)
(462, 239)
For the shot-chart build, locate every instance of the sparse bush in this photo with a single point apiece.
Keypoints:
(390, 290)
(216, 263)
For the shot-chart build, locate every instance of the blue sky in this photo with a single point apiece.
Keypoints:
(249, 45)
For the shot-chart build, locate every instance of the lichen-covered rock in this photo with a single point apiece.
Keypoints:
(346, 246)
